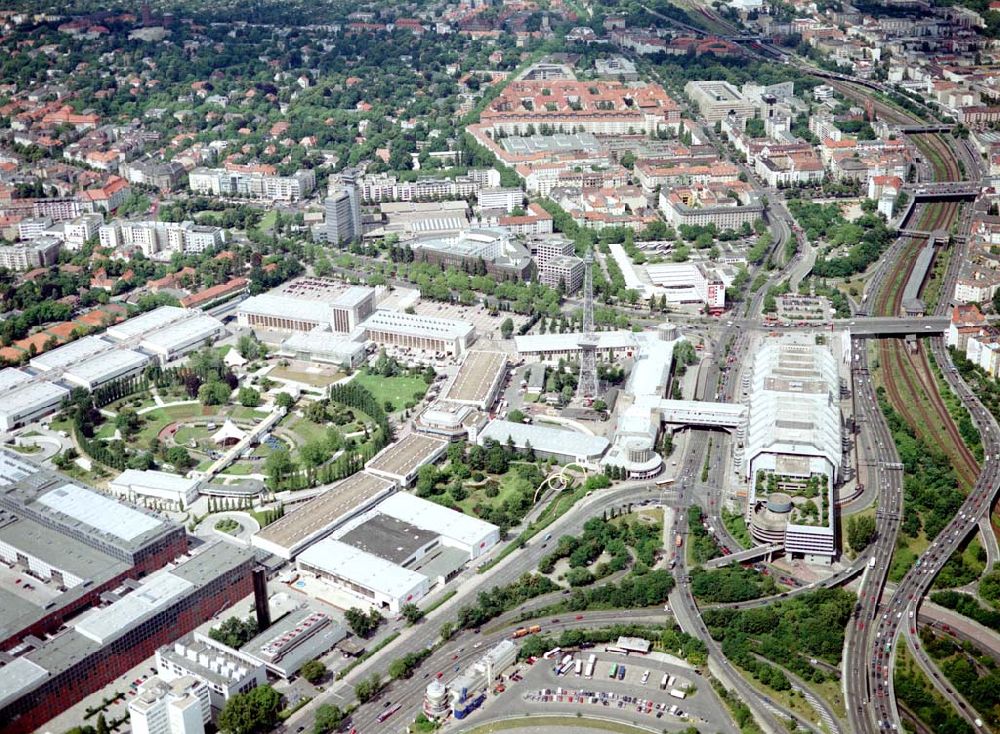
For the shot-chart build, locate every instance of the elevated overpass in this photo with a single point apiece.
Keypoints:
(875, 326)
(702, 414)
(946, 191)
(942, 127)
(750, 554)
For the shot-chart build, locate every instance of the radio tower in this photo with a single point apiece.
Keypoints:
(587, 386)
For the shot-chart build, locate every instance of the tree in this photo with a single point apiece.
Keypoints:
(506, 327)
(284, 400)
(367, 689)
(362, 624)
(860, 532)
(248, 347)
(278, 466)
(213, 393)
(102, 724)
(251, 712)
(328, 718)
(179, 457)
(234, 632)
(516, 416)
(249, 397)
(412, 613)
(128, 422)
(313, 671)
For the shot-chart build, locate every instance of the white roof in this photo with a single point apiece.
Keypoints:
(68, 354)
(31, 397)
(143, 324)
(675, 275)
(154, 480)
(181, 334)
(11, 377)
(566, 342)
(437, 518)
(417, 325)
(99, 512)
(544, 438)
(105, 367)
(651, 370)
(288, 307)
(159, 590)
(794, 406)
(362, 568)
(17, 675)
(322, 342)
(14, 469)
(229, 430)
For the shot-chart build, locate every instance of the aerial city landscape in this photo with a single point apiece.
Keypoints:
(529, 366)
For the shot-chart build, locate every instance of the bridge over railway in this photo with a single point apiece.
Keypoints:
(918, 129)
(949, 191)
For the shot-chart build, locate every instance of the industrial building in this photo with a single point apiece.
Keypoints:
(468, 534)
(374, 580)
(478, 380)
(76, 542)
(400, 461)
(793, 443)
(324, 347)
(171, 490)
(565, 446)
(125, 349)
(308, 303)
(47, 676)
(288, 536)
(425, 333)
(488, 251)
(296, 638)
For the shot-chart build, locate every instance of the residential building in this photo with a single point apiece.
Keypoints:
(38, 253)
(718, 99)
(152, 237)
(343, 214)
(253, 182)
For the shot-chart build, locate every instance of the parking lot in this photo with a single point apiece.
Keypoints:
(537, 689)
(487, 326)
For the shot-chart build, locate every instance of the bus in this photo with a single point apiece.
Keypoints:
(552, 653)
(663, 682)
(614, 671)
(389, 712)
(664, 482)
(591, 662)
(678, 540)
(579, 668)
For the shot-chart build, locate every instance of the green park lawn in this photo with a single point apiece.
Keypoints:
(398, 390)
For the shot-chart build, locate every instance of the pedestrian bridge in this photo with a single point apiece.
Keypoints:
(702, 414)
(750, 554)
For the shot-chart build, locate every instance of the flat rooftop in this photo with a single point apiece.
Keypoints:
(406, 455)
(71, 354)
(388, 537)
(60, 551)
(90, 508)
(545, 438)
(437, 518)
(325, 290)
(479, 372)
(147, 322)
(322, 514)
(417, 325)
(359, 567)
(559, 143)
(106, 366)
(183, 332)
(11, 377)
(32, 396)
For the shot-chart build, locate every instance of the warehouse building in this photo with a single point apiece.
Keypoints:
(324, 347)
(49, 676)
(557, 443)
(374, 580)
(468, 534)
(478, 380)
(181, 337)
(399, 462)
(146, 323)
(28, 403)
(116, 364)
(425, 333)
(174, 491)
(288, 536)
(77, 351)
(308, 303)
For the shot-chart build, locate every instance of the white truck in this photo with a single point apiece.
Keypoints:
(677, 693)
